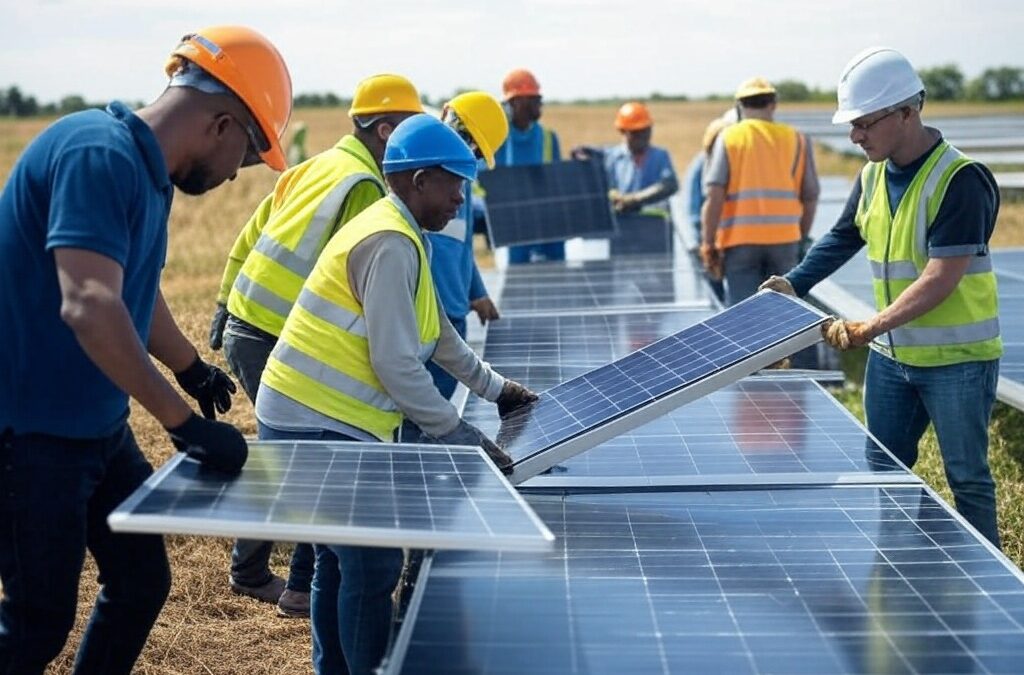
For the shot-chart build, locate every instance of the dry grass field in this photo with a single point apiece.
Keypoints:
(204, 628)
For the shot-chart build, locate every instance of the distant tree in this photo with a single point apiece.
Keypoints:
(793, 90)
(1002, 83)
(943, 83)
(71, 104)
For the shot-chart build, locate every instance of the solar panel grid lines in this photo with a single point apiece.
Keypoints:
(547, 202)
(371, 494)
(858, 579)
(724, 348)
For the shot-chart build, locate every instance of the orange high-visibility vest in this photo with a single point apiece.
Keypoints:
(766, 169)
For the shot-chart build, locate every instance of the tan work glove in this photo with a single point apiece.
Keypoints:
(778, 284)
(843, 335)
(711, 258)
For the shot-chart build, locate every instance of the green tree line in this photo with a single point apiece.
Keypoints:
(943, 83)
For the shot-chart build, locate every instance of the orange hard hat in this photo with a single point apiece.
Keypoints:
(251, 67)
(633, 116)
(520, 82)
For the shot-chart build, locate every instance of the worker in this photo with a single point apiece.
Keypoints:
(350, 365)
(268, 263)
(83, 237)
(480, 121)
(926, 213)
(528, 144)
(762, 192)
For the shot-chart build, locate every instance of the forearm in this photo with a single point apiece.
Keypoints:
(656, 192)
(103, 328)
(830, 253)
(167, 344)
(477, 288)
(711, 213)
(939, 279)
(456, 357)
(810, 208)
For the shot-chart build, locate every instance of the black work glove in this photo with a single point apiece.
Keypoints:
(220, 319)
(467, 434)
(209, 386)
(217, 445)
(513, 396)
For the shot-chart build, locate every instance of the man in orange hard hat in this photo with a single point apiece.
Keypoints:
(528, 143)
(83, 237)
(762, 192)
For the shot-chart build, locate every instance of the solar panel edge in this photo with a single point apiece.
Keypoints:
(745, 481)
(394, 660)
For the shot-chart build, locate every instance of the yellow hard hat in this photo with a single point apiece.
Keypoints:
(755, 86)
(484, 119)
(385, 93)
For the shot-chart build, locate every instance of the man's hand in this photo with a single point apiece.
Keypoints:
(843, 335)
(624, 203)
(215, 444)
(485, 309)
(220, 319)
(778, 284)
(513, 396)
(711, 258)
(467, 434)
(209, 386)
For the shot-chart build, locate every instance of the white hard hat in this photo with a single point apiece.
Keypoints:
(873, 80)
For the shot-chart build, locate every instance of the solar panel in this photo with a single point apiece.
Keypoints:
(633, 282)
(834, 580)
(614, 398)
(758, 429)
(371, 494)
(547, 202)
(641, 233)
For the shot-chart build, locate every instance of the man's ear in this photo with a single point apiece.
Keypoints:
(418, 179)
(384, 131)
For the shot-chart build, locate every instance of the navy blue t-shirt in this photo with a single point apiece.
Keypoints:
(94, 180)
(963, 224)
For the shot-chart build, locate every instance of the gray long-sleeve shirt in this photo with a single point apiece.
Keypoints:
(383, 273)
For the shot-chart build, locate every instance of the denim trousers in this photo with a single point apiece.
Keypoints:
(246, 350)
(350, 606)
(900, 401)
(746, 266)
(55, 496)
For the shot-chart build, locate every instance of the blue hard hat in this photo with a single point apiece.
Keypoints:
(422, 141)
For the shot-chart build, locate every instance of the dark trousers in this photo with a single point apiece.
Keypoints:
(748, 265)
(247, 349)
(55, 495)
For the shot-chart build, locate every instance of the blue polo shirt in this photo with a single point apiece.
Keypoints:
(94, 180)
(452, 264)
(627, 174)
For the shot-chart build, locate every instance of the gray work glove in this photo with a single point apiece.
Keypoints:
(220, 319)
(467, 434)
(513, 396)
(779, 285)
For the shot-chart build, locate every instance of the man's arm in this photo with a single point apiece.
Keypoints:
(92, 307)
(711, 213)
(167, 344)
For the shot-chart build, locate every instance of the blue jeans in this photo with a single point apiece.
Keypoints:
(246, 350)
(746, 266)
(900, 401)
(55, 496)
(551, 251)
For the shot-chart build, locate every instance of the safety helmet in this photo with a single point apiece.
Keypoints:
(385, 93)
(423, 141)
(251, 67)
(484, 120)
(875, 79)
(711, 132)
(633, 116)
(755, 86)
(520, 82)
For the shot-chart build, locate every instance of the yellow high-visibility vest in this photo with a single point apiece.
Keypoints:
(322, 358)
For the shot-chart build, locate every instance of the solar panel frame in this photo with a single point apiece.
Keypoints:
(541, 459)
(730, 588)
(547, 202)
(433, 505)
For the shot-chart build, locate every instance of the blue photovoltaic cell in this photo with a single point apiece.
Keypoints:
(339, 493)
(825, 580)
(547, 202)
(650, 373)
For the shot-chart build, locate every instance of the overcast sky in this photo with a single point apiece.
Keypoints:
(577, 48)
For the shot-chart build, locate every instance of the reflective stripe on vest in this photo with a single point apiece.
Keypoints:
(322, 358)
(547, 154)
(965, 325)
(308, 204)
(762, 202)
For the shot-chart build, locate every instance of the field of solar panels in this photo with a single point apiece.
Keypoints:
(204, 628)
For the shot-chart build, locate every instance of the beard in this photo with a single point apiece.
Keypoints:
(196, 180)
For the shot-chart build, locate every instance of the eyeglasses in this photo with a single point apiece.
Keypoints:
(866, 126)
(257, 142)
